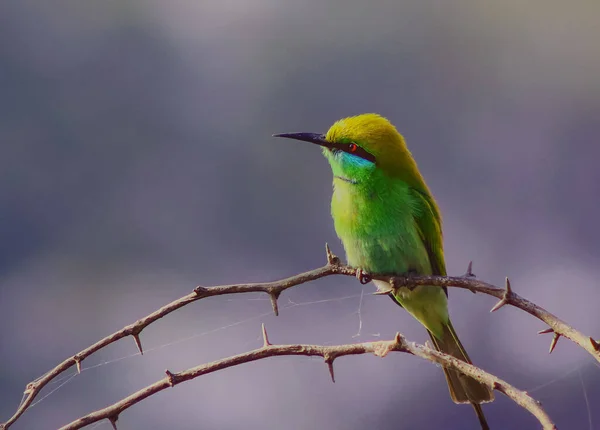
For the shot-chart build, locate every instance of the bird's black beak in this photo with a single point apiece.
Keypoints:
(317, 139)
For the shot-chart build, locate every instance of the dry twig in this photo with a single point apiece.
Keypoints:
(274, 290)
(329, 354)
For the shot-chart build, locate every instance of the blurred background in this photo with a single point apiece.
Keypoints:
(137, 162)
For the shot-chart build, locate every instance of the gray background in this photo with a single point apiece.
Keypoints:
(136, 162)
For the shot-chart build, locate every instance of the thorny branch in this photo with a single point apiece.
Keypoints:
(274, 290)
(329, 354)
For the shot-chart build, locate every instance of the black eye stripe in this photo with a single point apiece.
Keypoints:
(359, 151)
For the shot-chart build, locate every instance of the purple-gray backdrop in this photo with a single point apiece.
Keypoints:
(136, 162)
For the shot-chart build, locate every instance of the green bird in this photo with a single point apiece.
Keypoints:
(389, 222)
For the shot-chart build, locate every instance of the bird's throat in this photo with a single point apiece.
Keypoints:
(348, 180)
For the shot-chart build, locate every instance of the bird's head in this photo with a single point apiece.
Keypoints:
(362, 147)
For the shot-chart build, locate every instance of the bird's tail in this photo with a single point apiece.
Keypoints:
(463, 389)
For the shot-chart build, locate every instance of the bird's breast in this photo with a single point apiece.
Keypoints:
(379, 234)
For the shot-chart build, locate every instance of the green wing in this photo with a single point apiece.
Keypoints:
(429, 223)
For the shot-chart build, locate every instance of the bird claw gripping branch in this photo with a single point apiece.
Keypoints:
(363, 277)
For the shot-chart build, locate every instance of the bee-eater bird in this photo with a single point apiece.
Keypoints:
(389, 223)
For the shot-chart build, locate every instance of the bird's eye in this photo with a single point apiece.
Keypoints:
(352, 148)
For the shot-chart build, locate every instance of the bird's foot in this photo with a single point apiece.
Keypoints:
(411, 273)
(402, 284)
(362, 276)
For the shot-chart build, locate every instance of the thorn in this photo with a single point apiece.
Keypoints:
(330, 367)
(113, 421)
(266, 342)
(274, 297)
(138, 342)
(553, 342)
(507, 293)
(595, 344)
(399, 339)
(329, 362)
(78, 364)
(171, 377)
(332, 259)
(498, 305)
(554, 338)
(199, 290)
(469, 273)
(383, 292)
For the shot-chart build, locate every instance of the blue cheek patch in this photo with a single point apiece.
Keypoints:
(349, 167)
(351, 160)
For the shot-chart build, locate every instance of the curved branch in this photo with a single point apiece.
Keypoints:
(329, 354)
(507, 297)
(274, 290)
